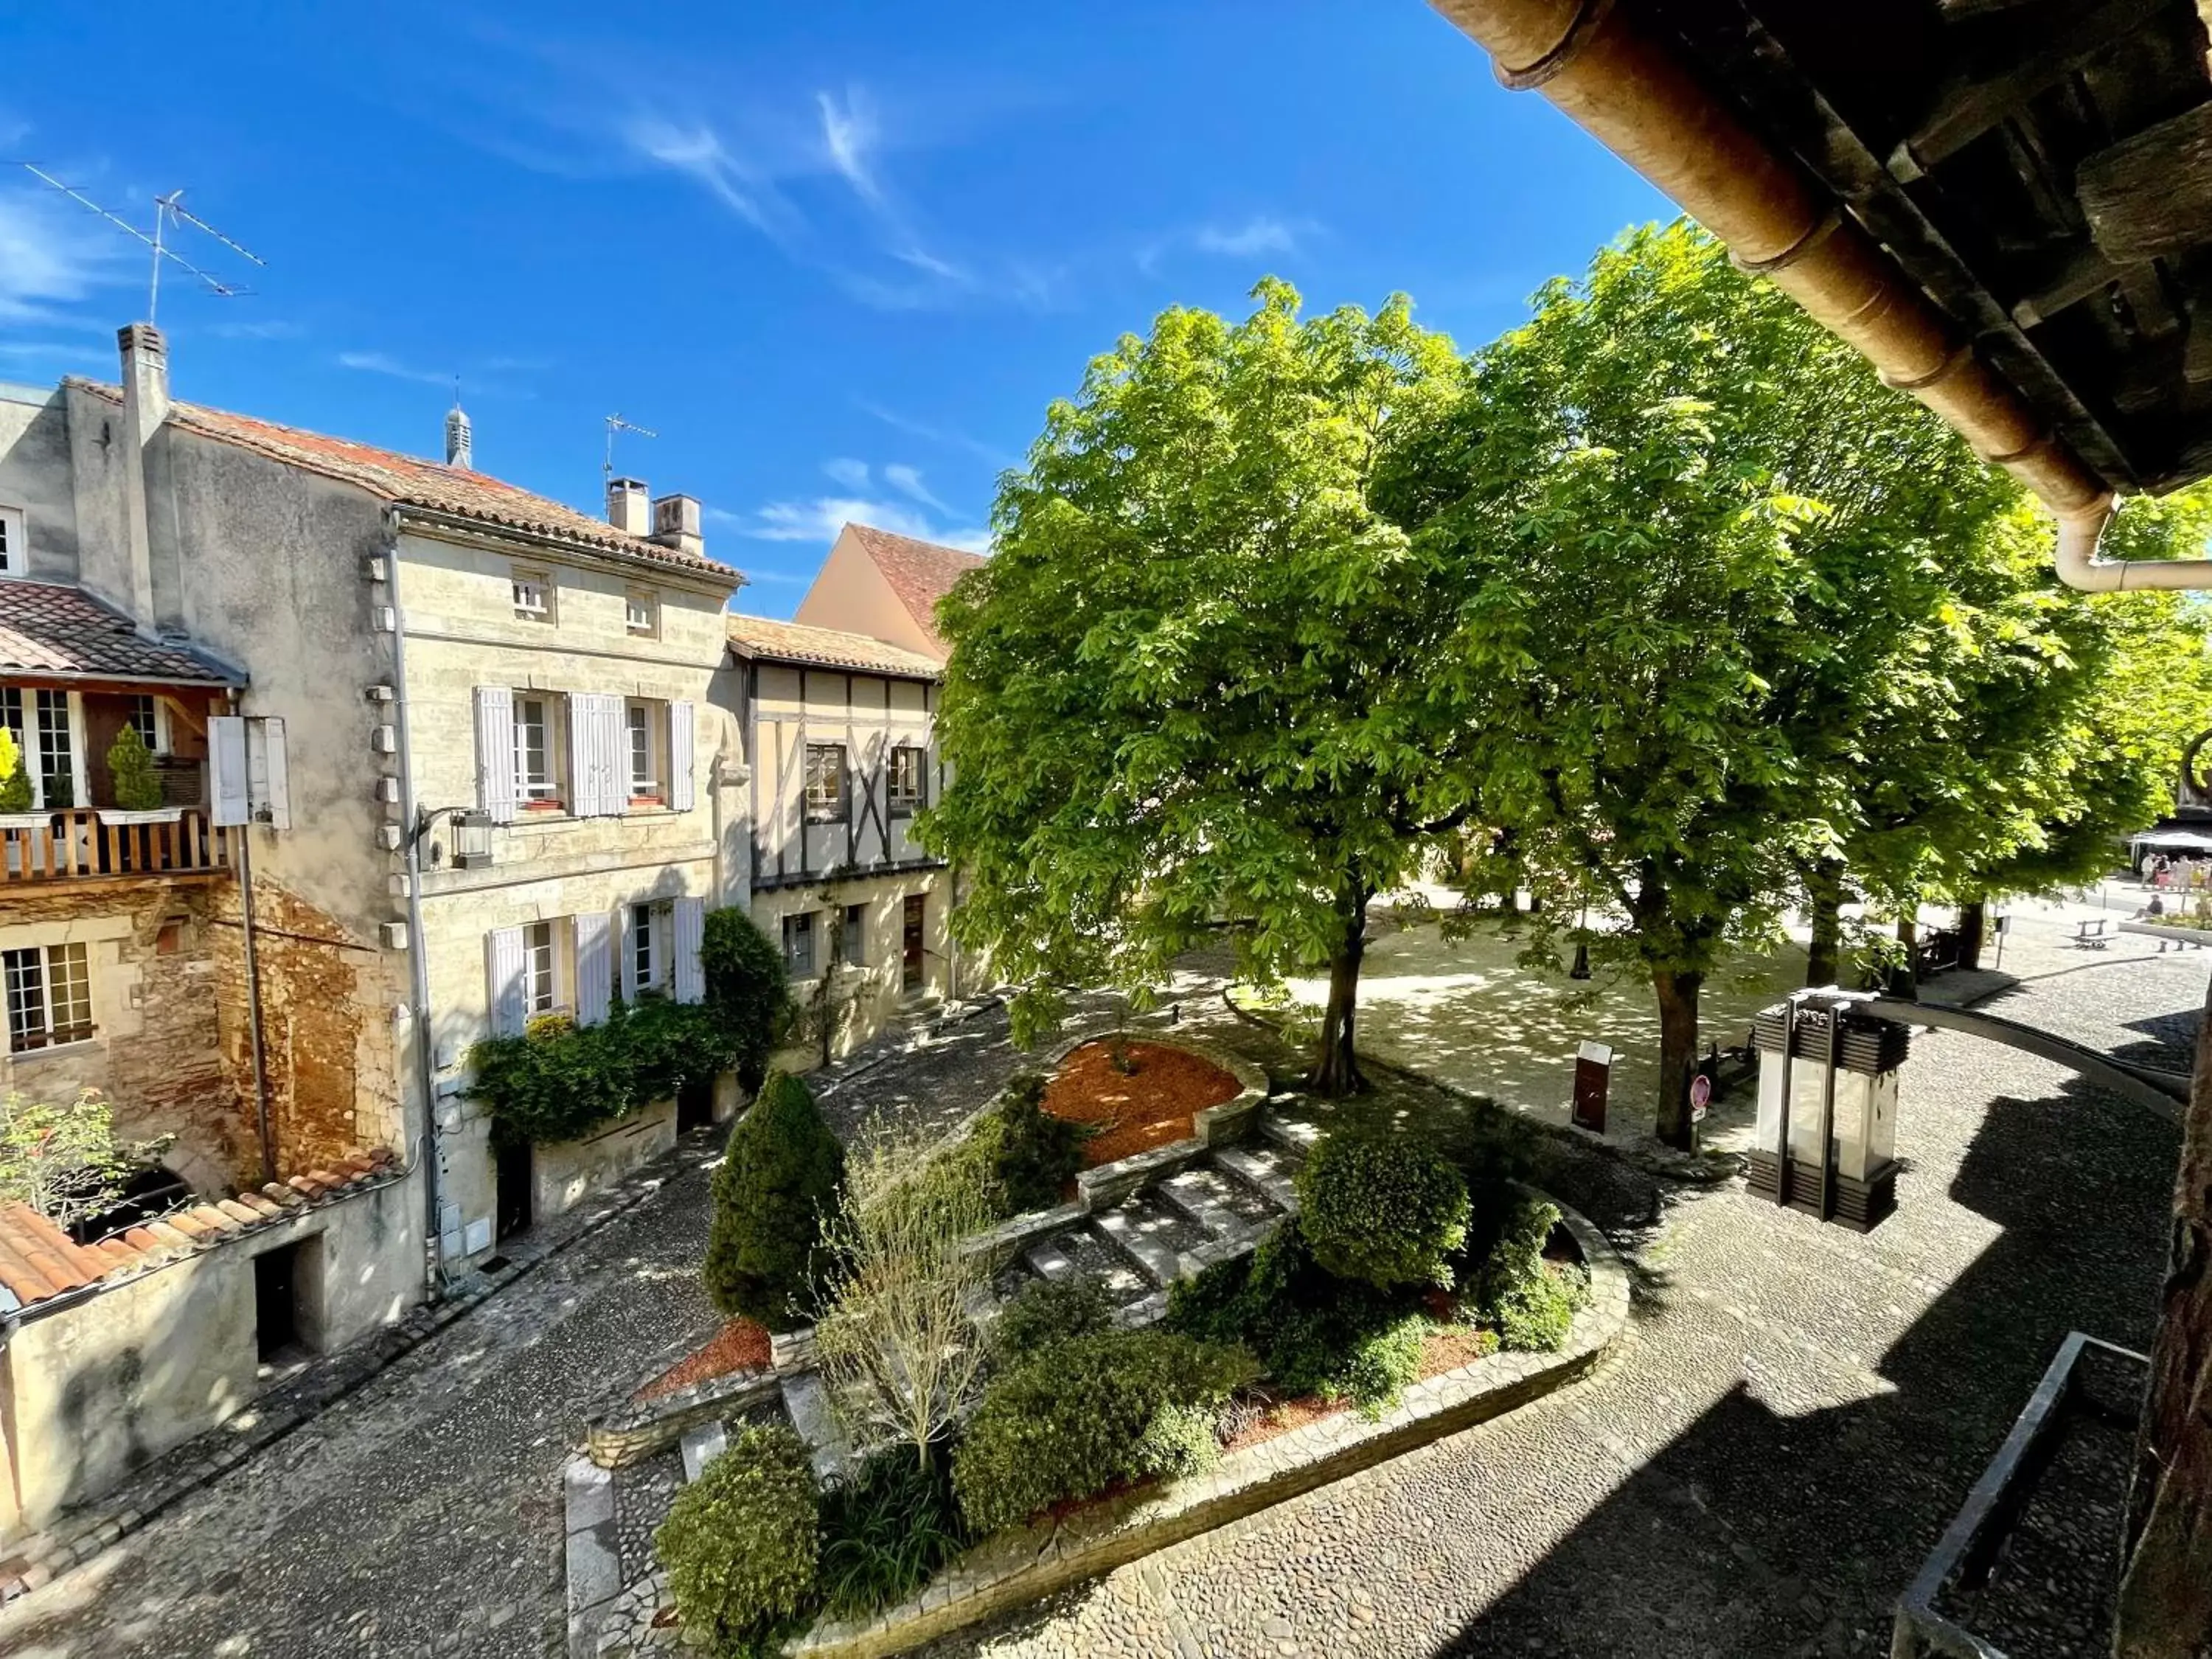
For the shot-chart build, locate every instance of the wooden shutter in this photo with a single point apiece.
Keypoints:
(594, 966)
(503, 957)
(690, 934)
(496, 752)
(234, 800)
(583, 771)
(612, 726)
(268, 784)
(626, 942)
(683, 757)
(598, 780)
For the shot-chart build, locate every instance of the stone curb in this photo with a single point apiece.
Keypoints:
(1022, 1566)
(294, 1404)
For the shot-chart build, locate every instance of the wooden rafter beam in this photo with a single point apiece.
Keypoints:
(2151, 195)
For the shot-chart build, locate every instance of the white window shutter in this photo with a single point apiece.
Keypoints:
(268, 786)
(496, 752)
(682, 757)
(626, 948)
(612, 729)
(594, 966)
(583, 777)
(234, 800)
(690, 934)
(503, 955)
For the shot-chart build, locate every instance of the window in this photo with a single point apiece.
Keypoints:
(49, 992)
(533, 595)
(641, 612)
(853, 945)
(652, 930)
(907, 770)
(143, 713)
(540, 970)
(825, 782)
(537, 748)
(646, 723)
(47, 742)
(15, 551)
(798, 946)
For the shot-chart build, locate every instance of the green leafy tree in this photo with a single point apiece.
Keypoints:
(131, 767)
(1194, 686)
(15, 776)
(65, 1162)
(779, 1181)
(1701, 555)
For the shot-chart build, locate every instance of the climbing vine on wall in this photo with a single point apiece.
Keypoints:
(558, 1080)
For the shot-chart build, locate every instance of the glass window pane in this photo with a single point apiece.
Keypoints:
(69, 992)
(24, 972)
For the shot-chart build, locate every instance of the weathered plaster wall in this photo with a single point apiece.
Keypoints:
(850, 593)
(35, 476)
(564, 1176)
(98, 1387)
(872, 989)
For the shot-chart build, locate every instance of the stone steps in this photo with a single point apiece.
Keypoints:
(808, 1404)
(1263, 1168)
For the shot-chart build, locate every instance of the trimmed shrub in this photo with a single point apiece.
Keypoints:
(1378, 1368)
(14, 775)
(1069, 1421)
(1036, 1154)
(742, 1541)
(131, 771)
(886, 1529)
(781, 1176)
(1045, 1313)
(1533, 1316)
(1517, 1292)
(747, 989)
(1179, 1442)
(1381, 1208)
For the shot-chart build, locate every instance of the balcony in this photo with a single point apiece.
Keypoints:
(76, 845)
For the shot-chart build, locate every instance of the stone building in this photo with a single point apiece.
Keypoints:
(436, 754)
(886, 587)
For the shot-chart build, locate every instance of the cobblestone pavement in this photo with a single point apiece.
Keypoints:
(1796, 1414)
(422, 1515)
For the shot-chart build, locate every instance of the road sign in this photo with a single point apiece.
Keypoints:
(1701, 1096)
(1593, 1073)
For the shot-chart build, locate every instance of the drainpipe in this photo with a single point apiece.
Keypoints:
(1619, 79)
(417, 949)
(268, 1135)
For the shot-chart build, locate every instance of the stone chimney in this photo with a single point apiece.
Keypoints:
(676, 524)
(627, 509)
(457, 436)
(145, 406)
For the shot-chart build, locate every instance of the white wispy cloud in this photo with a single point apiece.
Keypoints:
(949, 437)
(1259, 234)
(54, 256)
(845, 470)
(266, 328)
(380, 362)
(849, 133)
(489, 376)
(741, 183)
(818, 522)
(907, 481)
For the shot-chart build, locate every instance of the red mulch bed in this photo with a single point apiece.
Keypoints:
(739, 1345)
(1149, 1107)
(1446, 1348)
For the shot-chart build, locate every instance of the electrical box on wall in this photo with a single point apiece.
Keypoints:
(394, 935)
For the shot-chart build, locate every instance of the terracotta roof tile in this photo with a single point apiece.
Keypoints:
(919, 572)
(783, 641)
(411, 481)
(38, 1261)
(64, 633)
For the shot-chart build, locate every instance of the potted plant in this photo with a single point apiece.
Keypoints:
(15, 796)
(138, 786)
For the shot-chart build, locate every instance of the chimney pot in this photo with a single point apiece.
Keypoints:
(675, 525)
(145, 374)
(628, 508)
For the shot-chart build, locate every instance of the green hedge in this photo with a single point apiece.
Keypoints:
(1381, 1208)
(741, 1544)
(1525, 1299)
(747, 987)
(782, 1176)
(1046, 1312)
(1074, 1418)
(559, 1081)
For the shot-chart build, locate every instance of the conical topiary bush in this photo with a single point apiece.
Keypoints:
(14, 775)
(130, 765)
(780, 1176)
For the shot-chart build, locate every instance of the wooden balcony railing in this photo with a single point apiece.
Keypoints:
(78, 846)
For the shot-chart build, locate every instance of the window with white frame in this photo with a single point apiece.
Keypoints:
(798, 946)
(44, 727)
(537, 748)
(907, 770)
(852, 941)
(651, 941)
(541, 969)
(825, 782)
(645, 739)
(15, 549)
(641, 612)
(533, 595)
(143, 713)
(49, 995)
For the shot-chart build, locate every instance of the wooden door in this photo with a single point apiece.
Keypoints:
(910, 961)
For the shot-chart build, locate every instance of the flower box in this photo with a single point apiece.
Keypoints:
(149, 815)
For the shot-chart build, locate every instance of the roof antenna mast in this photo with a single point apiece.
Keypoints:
(615, 423)
(168, 211)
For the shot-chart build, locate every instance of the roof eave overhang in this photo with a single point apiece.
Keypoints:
(467, 530)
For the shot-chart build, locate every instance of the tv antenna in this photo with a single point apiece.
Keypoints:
(168, 211)
(615, 423)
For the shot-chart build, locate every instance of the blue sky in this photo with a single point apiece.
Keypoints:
(839, 257)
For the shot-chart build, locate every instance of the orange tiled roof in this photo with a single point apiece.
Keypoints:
(38, 1261)
(57, 632)
(919, 572)
(831, 647)
(412, 481)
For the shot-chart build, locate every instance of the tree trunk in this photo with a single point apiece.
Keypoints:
(1824, 890)
(1336, 1065)
(2165, 1586)
(1905, 978)
(1973, 926)
(1677, 1054)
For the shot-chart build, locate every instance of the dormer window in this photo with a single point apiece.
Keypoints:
(15, 549)
(533, 596)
